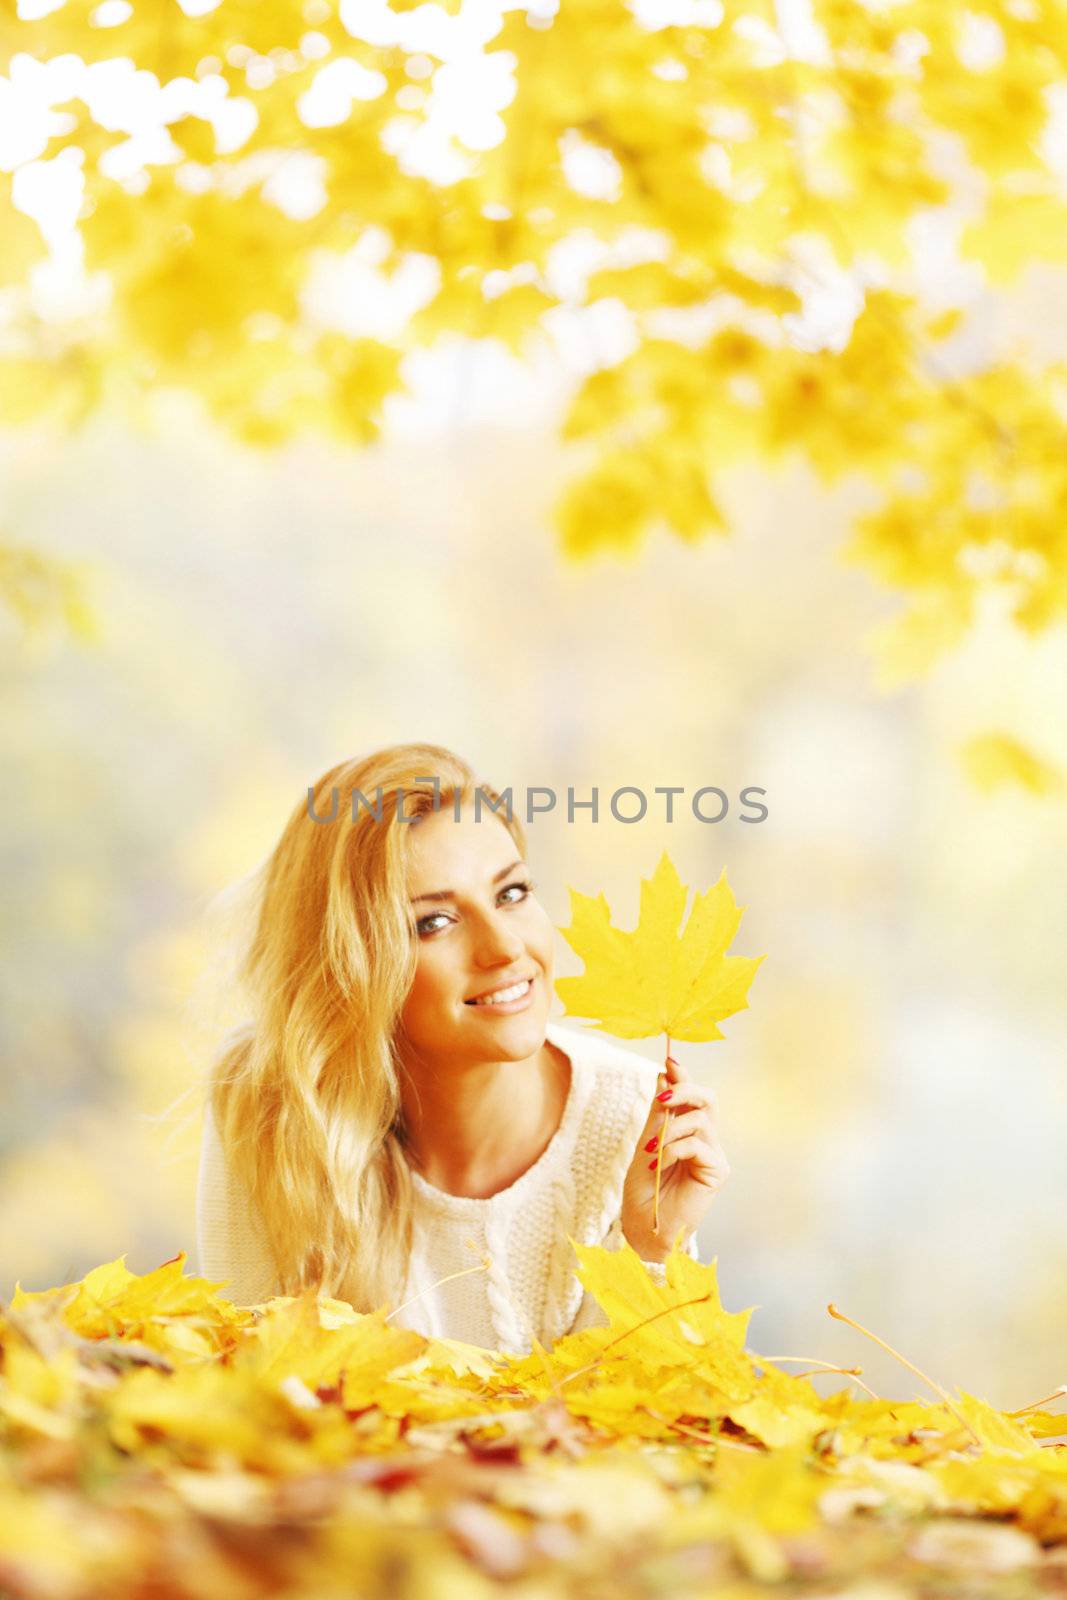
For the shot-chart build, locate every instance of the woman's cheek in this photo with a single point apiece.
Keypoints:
(439, 981)
(541, 939)
(424, 997)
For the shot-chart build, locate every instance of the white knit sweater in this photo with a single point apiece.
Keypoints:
(574, 1187)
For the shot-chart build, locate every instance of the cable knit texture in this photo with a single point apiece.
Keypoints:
(531, 1288)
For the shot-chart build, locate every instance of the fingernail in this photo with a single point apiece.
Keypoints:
(671, 1061)
(652, 1163)
(665, 1095)
(653, 1142)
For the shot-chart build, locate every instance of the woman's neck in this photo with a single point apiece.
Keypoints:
(475, 1131)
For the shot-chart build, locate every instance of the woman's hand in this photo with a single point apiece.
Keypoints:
(693, 1169)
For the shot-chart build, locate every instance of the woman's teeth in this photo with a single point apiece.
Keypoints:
(502, 996)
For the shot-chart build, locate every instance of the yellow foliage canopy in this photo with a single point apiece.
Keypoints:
(726, 168)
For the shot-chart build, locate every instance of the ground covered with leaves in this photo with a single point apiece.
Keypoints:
(158, 1441)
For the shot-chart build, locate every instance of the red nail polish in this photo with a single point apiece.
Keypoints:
(653, 1142)
(665, 1095)
(652, 1163)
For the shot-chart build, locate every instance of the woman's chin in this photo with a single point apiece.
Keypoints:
(513, 1035)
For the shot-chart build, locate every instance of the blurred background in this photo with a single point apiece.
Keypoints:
(894, 1101)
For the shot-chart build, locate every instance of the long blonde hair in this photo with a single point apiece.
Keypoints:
(305, 1095)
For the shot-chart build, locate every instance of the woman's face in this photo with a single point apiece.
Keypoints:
(479, 931)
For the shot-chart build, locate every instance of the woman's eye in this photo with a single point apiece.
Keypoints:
(424, 924)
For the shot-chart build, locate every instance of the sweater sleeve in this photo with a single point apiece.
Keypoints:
(231, 1241)
(590, 1314)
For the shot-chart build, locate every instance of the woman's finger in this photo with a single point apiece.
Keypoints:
(677, 1127)
(687, 1095)
(706, 1155)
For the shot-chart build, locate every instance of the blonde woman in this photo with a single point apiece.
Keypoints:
(399, 1108)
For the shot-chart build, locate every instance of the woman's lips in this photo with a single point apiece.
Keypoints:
(500, 1008)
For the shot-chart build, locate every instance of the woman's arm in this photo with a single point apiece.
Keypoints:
(231, 1243)
(590, 1314)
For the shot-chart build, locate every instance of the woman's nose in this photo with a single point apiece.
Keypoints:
(496, 943)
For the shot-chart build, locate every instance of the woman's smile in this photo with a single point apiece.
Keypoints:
(506, 998)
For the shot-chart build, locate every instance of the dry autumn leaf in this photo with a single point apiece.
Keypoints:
(310, 1447)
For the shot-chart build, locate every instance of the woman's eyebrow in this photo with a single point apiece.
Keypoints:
(447, 894)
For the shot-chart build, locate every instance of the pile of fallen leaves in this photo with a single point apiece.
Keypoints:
(158, 1441)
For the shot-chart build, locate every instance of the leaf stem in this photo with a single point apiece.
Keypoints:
(661, 1143)
(664, 1311)
(919, 1373)
(483, 1266)
(1057, 1394)
(819, 1366)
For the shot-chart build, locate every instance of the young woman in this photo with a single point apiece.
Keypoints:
(400, 1109)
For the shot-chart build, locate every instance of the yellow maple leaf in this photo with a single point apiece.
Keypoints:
(680, 1322)
(162, 1309)
(39, 1395)
(291, 1340)
(777, 1425)
(776, 1492)
(659, 978)
(995, 1430)
(24, 243)
(1014, 230)
(997, 760)
(907, 645)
